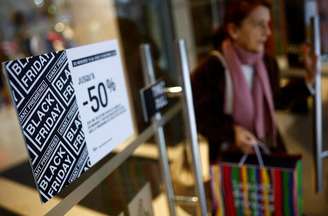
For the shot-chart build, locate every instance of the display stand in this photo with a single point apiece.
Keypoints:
(155, 129)
(319, 153)
(189, 117)
(149, 77)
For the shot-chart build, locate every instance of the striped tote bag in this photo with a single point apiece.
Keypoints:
(273, 188)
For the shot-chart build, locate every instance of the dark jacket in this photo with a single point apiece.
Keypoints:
(208, 85)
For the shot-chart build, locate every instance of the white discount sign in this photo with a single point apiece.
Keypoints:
(73, 109)
(101, 94)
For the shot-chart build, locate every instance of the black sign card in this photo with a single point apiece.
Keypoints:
(153, 99)
(42, 91)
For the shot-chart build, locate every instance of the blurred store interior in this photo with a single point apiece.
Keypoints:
(33, 27)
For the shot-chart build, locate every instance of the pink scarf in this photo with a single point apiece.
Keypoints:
(254, 109)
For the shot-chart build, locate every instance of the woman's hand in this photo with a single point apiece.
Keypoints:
(244, 139)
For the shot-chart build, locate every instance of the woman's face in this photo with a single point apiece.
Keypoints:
(253, 31)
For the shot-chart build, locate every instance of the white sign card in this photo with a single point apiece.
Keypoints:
(73, 110)
(101, 95)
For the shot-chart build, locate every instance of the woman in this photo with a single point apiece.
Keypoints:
(236, 85)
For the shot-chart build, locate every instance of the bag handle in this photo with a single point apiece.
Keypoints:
(258, 154)
(228, 92)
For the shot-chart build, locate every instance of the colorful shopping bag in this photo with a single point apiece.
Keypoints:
(250, 189)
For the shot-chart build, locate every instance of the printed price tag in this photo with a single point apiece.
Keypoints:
(101, 95)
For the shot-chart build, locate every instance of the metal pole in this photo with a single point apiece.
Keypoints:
(318, 103)
(191, 123)
(167, 31)
(215, 13)
(149, 76)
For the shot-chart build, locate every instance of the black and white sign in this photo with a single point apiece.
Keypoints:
(153, 99)
(73, 110)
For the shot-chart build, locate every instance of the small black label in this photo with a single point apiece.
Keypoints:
(153, 99)
(93, 58)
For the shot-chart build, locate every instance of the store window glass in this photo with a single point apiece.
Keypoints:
(39, 26)
(33, 27)
(211, 13)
